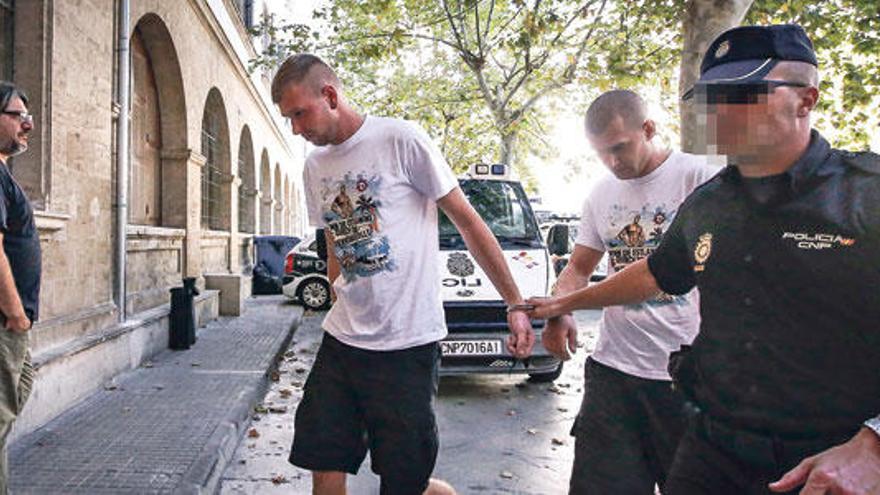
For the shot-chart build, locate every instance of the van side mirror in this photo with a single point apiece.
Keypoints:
(322, 244)
(557, 239)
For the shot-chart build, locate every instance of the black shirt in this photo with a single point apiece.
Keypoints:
(20, 242)
(789, 293)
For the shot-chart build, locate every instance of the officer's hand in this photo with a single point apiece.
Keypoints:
(850, 468)
(545, 307)
(20, 323)
(522, 337)
(560, 336)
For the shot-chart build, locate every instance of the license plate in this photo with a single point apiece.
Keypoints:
(470, 347)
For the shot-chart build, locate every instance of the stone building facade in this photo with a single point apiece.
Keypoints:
(211, 165)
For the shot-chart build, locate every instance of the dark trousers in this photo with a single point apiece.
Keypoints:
(716, 459)
(625, 433)
(357, 400)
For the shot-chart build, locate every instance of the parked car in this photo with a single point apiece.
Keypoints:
(305, 275)
(561, 239)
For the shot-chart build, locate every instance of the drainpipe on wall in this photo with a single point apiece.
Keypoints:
(123, 99)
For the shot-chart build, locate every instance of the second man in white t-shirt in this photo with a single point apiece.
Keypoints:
(630, 419)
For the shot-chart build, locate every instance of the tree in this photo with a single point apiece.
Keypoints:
(475, 72)
(704, 20)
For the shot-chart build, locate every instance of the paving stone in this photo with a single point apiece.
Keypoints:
(164, 428)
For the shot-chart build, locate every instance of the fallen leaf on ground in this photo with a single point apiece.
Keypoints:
(280, 479)
(253, 433)
(285, 392)
(557, 441)
(278, 409)
(274, 376)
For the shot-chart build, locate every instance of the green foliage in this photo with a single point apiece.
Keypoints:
(478, 73)
(846, 36)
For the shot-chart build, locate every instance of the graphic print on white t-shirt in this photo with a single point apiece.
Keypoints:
(351, 212)
(627, 219)
(632, 235)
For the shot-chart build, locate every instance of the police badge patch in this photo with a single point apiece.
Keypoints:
(460, 265)
(702, 251)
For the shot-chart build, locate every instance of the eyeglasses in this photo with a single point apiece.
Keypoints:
(23, 117)
(736, 93)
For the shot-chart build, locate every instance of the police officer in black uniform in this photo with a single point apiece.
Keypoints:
(784, 245)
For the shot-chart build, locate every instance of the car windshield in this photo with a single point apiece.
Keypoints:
(503, 206)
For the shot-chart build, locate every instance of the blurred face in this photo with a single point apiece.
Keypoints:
(625, 151)
(312, 114)
(15, 125)
(751, 127)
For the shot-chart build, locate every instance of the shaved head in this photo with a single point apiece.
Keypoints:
(303, 68)
(800, 72)
(621, 103)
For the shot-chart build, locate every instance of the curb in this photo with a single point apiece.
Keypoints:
(206, 473)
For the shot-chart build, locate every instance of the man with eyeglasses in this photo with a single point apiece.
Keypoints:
(784, 246)
(19, 269)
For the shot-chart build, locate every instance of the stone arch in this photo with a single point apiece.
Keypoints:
(266, 194)
(247, 190)
(158, 132)
(216, 176)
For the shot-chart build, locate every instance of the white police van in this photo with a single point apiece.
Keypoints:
(475, 313)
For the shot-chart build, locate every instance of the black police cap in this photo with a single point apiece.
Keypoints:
(748, 53)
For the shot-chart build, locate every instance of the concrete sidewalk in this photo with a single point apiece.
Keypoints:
(169, 426)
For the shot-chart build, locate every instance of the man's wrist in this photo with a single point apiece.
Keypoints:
(524, 307)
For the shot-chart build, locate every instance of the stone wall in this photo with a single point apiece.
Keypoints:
(65, 58)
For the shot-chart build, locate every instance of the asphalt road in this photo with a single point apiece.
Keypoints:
(498, 433)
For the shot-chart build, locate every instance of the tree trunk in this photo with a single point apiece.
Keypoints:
(508, 143)
(703, 22)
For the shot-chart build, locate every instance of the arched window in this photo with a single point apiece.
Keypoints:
(215, 172)
(7, 27)
(145, 206)
(247, 190)
(286, 227)
(266, 194)
(279, 201)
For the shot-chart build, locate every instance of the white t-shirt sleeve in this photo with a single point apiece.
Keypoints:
(424, 165)
(588, 232)
(312, 203)
(702, 170)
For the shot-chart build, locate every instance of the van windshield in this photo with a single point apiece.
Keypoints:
(504, 207)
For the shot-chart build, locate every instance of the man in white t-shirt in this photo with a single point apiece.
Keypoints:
(375, 185)
(630, 419)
